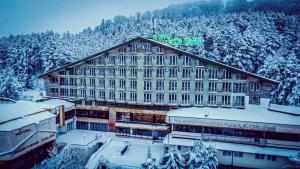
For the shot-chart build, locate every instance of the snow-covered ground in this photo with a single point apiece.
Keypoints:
(134, 156)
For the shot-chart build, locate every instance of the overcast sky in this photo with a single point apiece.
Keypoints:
(26, 16)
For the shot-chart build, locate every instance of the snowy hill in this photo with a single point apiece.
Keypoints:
(253, 36)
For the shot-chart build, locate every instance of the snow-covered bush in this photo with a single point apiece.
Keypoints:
(172, 159)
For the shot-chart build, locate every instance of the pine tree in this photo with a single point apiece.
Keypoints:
(172, 159)
(150, 162)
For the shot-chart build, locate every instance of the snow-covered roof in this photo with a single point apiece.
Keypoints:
(169, 140)
(134, 156)
(25, 121)
(11, 111)
(78, 137)
(255, 114)
(32, 95)
(285, 109)
(59, 102)
(165, 46)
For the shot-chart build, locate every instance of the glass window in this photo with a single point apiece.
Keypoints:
(148, 73)
(172, 85)
(147, 97)
(160, 85)
(173, 73)
(185, 86)
(147, 60)
(213, 73)
(172, 98)
(173, 60)
(198, 99)
(133, 96)
(160, 60)
(147, 85)
(185, 99)
(159, 98)
(186, 73)
(226, 101)
(212, 86)
(212, 99)
(199, 73)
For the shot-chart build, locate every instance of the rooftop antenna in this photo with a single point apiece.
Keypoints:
(138, 17)
(153, 25)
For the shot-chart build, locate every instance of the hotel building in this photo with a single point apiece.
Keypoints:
(135, 89)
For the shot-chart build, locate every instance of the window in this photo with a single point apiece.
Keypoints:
(238, 154)
(226, 101)
(147, 97)
(147, 60)
(239, 87)
(92, 71)
(148, 47)
(111, 72)
(102, 72)
(199, 73)
(198, 99)
(173, 85)
(259, 156)
(64, 92)
(186, 73)
(187, 61)
(147, 73)
(185, 86)
(54, 91)
(173, 73)
(172, 98)
(160, 85)
(173, 60)
(271, 157)
(147, 85)
(254, 100)
(111, 95)
(254, 86)
(160, 60)
(239, 101)
(133, 84)
(227, 153)
(73, 92)
(185, 99)
(122, 84)
(212, 86)
(226, 87)
(134, 47)
(73, 82)
(133, 97)
(241, 77)
(160, 72)
(92, 93)
(122, 72)
(92, 82)
(199, 63)
(63, 81)
(212, 99)
(53, 79)
(226, 74)
(72, 71)
(199, 86)
(82, 82)
(83, 93)
(111, 60)
(102, 83)
(122, 59)
(102, 94)
(133, 72)
(111, 84)
(159, 98)
(213, 73)
(133, 60)
(101, 60)
(159, 50)
(62, 73)
(122, 96)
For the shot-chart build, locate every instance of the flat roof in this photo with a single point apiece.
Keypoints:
(58, 102)
(285, 109)
(258, 114)
(134, 156)
(12, 111)
(169, 140)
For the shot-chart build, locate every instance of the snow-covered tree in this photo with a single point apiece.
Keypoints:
(172, 159)
(201, 157)
(69, 158)
(150, 162)
(296, 160)
(10, 87)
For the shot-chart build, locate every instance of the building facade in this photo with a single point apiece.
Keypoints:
(129, 88)
(27, 130)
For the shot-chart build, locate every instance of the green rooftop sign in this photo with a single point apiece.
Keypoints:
(191, 41)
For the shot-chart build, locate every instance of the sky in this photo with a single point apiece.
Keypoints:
(26, 16)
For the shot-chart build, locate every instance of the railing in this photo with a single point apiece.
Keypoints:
(141, 122)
